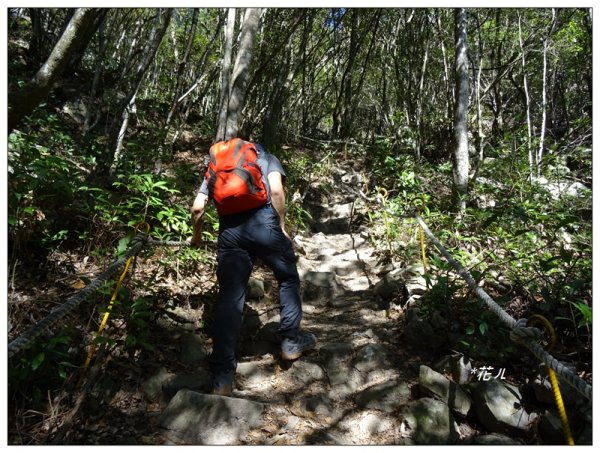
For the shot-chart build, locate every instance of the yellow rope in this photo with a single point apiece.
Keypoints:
(539, 319)
(384, 194)
(93, 348)
(106, 315)
(423, 256)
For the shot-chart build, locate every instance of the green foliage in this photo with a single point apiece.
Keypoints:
(139, 315)
(42, 366)
(141, 198)
(42, 184)
(405, 194)
(513, 229)
(297, 216)
(534, 240)
(300, 168)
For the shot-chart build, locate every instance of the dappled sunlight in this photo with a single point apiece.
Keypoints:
(435, 182)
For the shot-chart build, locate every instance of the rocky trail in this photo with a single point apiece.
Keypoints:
(347, 390)
(379, 375)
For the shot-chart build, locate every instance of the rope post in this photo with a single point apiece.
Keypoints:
(539, 319)
(423, 255)
(520, 333)
(382, 194)
(422, 240)
(94, 348)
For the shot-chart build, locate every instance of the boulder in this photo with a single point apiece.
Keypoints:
(459, 365)
(152, 387)
(391, 284)
(372, 357)
(319, 286)
(210, 419)
(200, 381)
(436, 384)
(431, 422)
(191, 349)
(305, 373)
(550, 429)
(255, 289)
(499, 407)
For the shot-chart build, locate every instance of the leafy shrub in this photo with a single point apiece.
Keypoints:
(44, 365)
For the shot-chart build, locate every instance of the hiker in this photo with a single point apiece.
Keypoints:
(246, 184)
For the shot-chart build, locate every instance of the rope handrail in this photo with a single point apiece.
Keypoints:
(519, 331)
(33, 332)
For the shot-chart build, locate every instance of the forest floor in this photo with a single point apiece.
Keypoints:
(323, 398)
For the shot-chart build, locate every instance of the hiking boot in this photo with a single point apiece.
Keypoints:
(292, 348)
(223, 383)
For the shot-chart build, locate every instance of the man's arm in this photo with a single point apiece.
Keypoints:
(198, 208)
(278, 197)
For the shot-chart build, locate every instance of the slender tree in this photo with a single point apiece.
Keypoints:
(121, 119)
(241, 71)
(226, 75)
(540, 152)
(527, 103)
(90, 110)
(280, 92)
(182, 65)
(203, 78)
(461, 150)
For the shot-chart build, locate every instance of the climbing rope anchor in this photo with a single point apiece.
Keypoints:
(93, 347)
(520, 332)
(539, 319)
(32, 333)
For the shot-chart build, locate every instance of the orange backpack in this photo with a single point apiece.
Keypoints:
(234, 177)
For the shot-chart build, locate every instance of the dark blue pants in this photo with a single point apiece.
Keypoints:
(244, 237)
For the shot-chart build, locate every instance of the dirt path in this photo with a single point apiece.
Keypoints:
(324, 398)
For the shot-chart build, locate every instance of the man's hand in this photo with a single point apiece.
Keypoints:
(285, 233)
(197, 210)
(278, 199)
(194, 242)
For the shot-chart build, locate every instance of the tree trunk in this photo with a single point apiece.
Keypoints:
(461, 151)
(271, 122)
(148, 55)
(276, 100)
(37, 39)
(449, 101)
(202, 70)
(225, 75)
(527, 104)
(241, 72)
(87, 125)
(121, 135)
(182, 65)
(23, 103)
(540, 152)
(341, 115)
(365, 67)
(419, 135)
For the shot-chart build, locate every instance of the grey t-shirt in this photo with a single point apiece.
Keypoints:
(267, 162)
